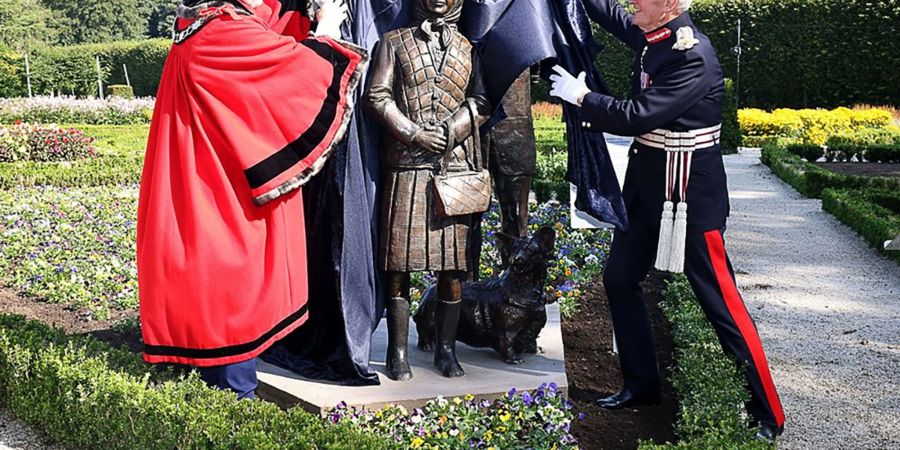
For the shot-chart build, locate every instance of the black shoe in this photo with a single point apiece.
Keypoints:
(768, 433)
(446, 324)
(627, 399)
(398, 339)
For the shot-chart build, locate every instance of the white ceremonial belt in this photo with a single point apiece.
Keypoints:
(703, 137)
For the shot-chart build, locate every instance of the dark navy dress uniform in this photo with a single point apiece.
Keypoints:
(673, 90)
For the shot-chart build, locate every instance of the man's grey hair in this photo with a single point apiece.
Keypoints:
(684, 4)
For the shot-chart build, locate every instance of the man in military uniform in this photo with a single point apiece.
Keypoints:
(674, 113)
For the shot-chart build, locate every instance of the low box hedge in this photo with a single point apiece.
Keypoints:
(98, 171)
(709, 384)
(809, 152)
(882, 153)
(873, 213)
(810, 179)
(87, 395)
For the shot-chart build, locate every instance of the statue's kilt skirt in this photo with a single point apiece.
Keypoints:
(413, 237)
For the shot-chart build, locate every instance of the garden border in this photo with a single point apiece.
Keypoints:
(856, 208)
(85, 394)
(708, 383)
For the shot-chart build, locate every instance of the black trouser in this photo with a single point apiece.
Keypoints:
(710, 273)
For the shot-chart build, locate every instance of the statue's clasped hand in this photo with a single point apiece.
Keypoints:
(432, 138)
(567, 87)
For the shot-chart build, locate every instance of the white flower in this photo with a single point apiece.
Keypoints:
(684, 39)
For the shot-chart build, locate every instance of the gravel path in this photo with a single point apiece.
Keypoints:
(827, 307)
(15, 435)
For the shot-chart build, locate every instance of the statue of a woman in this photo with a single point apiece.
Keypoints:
(426, 90)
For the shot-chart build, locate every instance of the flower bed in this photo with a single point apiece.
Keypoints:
(118, 151)
(71, 246)
(538, 419)
(66, 109)
(26, 142)
(806, 126)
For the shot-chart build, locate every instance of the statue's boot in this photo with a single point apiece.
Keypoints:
(396, 360)
(446, 325)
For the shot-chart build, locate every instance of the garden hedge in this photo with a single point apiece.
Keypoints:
(731, 129)
(73, 70)
(87, 395)
(709, 384)
(817, 47)
(810, 179)
(873, 213)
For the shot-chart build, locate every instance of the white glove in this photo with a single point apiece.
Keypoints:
(330, 15)
(567, 87)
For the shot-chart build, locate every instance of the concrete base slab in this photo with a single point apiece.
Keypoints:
(487, 376)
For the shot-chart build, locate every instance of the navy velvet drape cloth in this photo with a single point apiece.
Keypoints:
(345, 295)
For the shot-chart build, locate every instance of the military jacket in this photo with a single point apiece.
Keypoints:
(674, 89)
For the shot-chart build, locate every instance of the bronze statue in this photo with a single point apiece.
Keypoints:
(505, 313)
(426, 90)
(511, 146)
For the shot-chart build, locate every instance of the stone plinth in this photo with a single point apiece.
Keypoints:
(487, 376)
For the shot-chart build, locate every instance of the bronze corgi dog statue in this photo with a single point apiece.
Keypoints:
(507, 312)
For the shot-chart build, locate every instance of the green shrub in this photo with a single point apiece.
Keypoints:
(809, 152)
(91, 397)
(883, 153)
(552, 158)
(59, 70)
(873, 213)
(12, 74)
(73, 70)
(120, 90)
(709, 385)
(731, 130)
(810, 179)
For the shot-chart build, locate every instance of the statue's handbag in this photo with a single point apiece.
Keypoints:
(463, 192)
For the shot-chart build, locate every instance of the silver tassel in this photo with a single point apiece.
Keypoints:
(664, 248)
(679, 236)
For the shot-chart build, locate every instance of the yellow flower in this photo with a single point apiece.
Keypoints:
(504, 417)
(417, 442)
(457, 400)
(469, 397)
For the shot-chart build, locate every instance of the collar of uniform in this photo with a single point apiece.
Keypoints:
(668, 30)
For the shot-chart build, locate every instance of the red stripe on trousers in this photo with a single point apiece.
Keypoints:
(741, 318)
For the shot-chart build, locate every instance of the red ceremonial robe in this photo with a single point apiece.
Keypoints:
(245, 114)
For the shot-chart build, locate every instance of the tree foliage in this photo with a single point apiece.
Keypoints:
(90, 21)
(24, 24)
